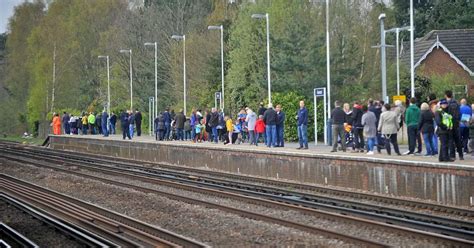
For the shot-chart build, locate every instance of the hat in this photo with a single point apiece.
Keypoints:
(443, 101)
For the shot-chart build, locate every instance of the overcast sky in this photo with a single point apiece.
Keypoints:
(6, 10)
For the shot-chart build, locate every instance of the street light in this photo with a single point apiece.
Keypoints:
(183, 38)
(383, 56)
(155, 113)
(108, 82)
(262, 16)
(129, 51)
(221, 28)
(412, 50)
(397, 36)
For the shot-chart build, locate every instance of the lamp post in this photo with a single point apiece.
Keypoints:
(266, 16)
(129, 51)
(155, 107)
(221, 28)
(383, 56)
(108, 82)
(397, 44)
(183, 38)
(412, 50)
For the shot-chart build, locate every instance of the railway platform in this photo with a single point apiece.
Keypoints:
(415, 177)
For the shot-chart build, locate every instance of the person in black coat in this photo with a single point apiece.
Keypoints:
(280, 126)
(270, 118)
(138, 122)
(159, 127)
(426, 128)
(357, 127)
(125, 123)
(443, 132)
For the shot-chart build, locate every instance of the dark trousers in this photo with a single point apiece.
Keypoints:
(454, 143)
(167, 131)
(159, 134)
(280, 135)
(126, 132)
(139, 128)
(67, 128)
(338, 132)
(104, 129)
(413, 138)
(392, 138)
(444, 150)
(359, 138)
(179, 134)
(464, 138)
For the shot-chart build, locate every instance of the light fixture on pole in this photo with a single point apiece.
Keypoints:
(183, 38)
(129, 51)
(221, 28)
(266, 17)
(155, 44)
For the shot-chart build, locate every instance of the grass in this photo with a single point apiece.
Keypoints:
(19, 139)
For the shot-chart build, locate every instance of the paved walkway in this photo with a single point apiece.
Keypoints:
(320, 149)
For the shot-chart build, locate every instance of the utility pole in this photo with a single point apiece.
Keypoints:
(54, 77)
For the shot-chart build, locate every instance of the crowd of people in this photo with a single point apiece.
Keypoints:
(359, 127)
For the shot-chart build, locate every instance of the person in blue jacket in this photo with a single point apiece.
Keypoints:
(465, 113)
(303, 126)
(105, 117)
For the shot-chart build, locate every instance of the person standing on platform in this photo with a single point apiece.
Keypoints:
(167, 121)
(412, 118)
(444, 121)
(105, 117)
(466, 113)
(370, 129)
(389, 125)
(187, 129)
(426, 127)
(159, 127)
(213, 122)
(113, 122)
(230, 129)
(131, 122)
(338, 117)
(251, 120)
(454, 138)
(280, 127)
(180, 118)
(358, 128)
(193, 121)
(56, 124)
(98, 123)
(376, 108)
(124, 121)
(85, 123)
(91, 120)
(138, 122)
(66, 124)
(302, 119)
(221, 132)
(270, 118)
(259, 130)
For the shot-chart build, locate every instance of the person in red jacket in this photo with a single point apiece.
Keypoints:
(259, 129)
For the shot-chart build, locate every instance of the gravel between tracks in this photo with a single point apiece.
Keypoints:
(355, 230)
(33, 229)
(211, 226)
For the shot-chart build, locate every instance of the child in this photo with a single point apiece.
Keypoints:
(237, 133)
(259, 129)
(199, 129)
(230, 129)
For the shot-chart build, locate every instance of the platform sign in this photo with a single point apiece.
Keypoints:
(402, 98)
(320, 92)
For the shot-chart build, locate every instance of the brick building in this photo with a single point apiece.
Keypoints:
(441, 52)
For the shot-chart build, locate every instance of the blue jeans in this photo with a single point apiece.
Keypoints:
(303, 135)
(111, 128)
(179, 134)
(215, 137)
(435, 144)
(280, 134)
(131, 130)
(167, 131)
(252, 140)
(371, 142)
(428, 138)
(271, 135)
(105, 132)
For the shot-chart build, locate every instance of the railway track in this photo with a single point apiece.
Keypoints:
(97, 226)
(193, 185)
(9, 237)
(427, 222)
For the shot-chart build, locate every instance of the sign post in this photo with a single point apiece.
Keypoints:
(320, 92)
(151, 113)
